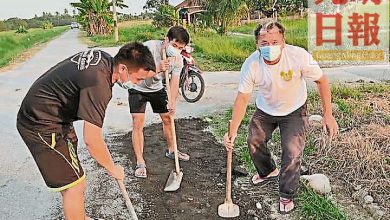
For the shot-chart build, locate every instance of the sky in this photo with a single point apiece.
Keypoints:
(30, 8)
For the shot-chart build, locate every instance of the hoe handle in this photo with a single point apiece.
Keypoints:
(129, 205)
(173, 130)
(229, 171)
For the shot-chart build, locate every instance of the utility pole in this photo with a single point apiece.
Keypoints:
(115, 21)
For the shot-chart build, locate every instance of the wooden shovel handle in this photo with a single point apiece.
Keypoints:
(133, 215)
(229, 171)
(173, 129)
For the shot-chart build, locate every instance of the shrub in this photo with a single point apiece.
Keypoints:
(3, 26)
(165, 16)
(21, 30)
(47, 25)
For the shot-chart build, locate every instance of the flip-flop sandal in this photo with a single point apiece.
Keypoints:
(259, 180)
(182, 156)
(140, 166)
(283, 203)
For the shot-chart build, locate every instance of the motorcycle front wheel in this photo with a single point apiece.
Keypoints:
(192, 89)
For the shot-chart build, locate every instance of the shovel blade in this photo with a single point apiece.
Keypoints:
(174, 181)
(228, 210)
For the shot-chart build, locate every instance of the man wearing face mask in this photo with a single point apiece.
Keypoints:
(78, 88)
(152, 90)
(279, 70)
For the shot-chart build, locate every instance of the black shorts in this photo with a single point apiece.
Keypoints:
(158, 100)
(56, 156)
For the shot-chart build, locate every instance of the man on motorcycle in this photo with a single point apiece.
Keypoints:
(152, 90)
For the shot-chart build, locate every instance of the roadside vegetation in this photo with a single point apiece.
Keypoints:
(57, 19)
(213, 52)
(215, 48)
(296, 30)
(358, 156)
(13, 44)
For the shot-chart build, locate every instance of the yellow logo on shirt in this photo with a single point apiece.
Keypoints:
(287, 76)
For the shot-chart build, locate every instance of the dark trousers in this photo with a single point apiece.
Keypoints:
(292, 130)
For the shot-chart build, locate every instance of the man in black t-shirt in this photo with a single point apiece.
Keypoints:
(78, 88)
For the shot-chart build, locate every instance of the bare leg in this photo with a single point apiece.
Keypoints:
(73, 201)
(166, 120)
(138, 140)
(165, 117)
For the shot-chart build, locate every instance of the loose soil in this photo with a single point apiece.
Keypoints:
(202, 188)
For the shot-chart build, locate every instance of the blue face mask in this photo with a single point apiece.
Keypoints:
(270, 53)
(172, 51)
(126, 85)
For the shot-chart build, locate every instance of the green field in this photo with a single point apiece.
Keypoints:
(135, 32)
(213, 52)
(296, 31)
(13, 44)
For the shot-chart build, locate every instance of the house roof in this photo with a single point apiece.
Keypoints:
(188, 3)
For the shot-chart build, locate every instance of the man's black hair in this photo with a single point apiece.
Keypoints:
(268, 26)
(179, 33)
(135, 56)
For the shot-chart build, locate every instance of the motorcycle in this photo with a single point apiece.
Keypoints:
(191, 82)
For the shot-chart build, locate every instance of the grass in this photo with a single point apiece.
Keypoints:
(314, 206)
(134, 32)
(361, 154)
(247, 28)
(310, 204)
(296, 31)
(310, 147)
(219, 124)
(217, 53)
(13, 44)
(213, 52)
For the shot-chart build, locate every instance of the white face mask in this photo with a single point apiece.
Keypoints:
(270, 53)
(126, 85)
(173, 52)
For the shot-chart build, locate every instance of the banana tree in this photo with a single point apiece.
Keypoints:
(119, 4)
(165, 16)
(95, 15)
(226, 12)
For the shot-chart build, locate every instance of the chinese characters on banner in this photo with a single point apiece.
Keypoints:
(349, 31)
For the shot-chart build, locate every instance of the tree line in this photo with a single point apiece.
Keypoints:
(222, 14)
(56, 19)
(96, 15)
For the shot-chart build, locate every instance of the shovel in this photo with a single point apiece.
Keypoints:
(133, 215)
(176, 176)
(228, 209)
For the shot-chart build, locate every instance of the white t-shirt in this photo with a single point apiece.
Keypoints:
(278, 96)
(154, 84)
